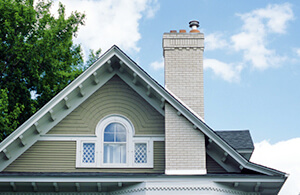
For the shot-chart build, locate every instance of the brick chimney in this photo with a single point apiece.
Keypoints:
(183, 53)
(183, 58)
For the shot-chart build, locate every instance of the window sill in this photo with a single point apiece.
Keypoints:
(115, 167)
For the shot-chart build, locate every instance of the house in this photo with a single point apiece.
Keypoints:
(115, 130)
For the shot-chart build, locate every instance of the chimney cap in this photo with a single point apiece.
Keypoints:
(194, 23)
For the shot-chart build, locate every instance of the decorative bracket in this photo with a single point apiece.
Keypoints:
(209, 143)
(235, 184)
(241, 167)
(148, 90)
(224, 157)
(110, 68)
(81, 90)
(256, 188)
(121, 69)
(134, 81)
(36, 124)
(67, 103)
(6, 153)
(162, 105)
(13, 186)
(52, 115)
(99, 187)
(55, 185)
(22, 140)
(34, 186)
(77, 187)
(96, 81)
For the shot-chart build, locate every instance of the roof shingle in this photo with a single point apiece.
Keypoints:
(240, 139)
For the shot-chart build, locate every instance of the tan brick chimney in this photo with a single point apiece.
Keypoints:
(183, 58)
(183, 53)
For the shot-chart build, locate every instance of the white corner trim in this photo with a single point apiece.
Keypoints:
(186, 172)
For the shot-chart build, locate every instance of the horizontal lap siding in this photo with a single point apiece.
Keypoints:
(46, 156)
(213, 167)
(115, 97)
(59, 156)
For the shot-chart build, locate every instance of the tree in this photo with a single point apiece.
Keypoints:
(37, 57)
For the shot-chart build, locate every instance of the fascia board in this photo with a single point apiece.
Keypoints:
(59, 97)
(192, 117)
(161, 178)
(244, 150)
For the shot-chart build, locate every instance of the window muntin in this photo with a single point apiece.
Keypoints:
(88, 153)
(140, 153)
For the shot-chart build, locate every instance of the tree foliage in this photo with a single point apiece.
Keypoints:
(37, 57)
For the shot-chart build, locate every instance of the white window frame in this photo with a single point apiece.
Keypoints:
(149, 144)
(131, 140)
(79, 154)
(129, 134)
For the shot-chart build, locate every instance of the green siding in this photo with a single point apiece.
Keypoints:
(115, 97)
(60, 156)
(212, 166)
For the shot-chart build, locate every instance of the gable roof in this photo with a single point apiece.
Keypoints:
(113, 62)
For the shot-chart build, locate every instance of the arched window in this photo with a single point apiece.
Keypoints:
(115, 133)
(114, 143)
(115, 146)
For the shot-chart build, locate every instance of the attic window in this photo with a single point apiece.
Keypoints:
(115, 146)
(140, 153)
(88, 155)
(114, 143)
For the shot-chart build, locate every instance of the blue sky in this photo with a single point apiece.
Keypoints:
(265, 101)
(251, 60)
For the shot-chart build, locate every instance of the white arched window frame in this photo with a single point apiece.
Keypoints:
(138, 152)
(100, 131)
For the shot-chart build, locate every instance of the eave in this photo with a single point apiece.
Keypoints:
(56, 181)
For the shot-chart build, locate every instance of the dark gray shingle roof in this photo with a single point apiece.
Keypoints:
(240, 139)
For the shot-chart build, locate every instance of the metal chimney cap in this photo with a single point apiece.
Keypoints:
(194, 23)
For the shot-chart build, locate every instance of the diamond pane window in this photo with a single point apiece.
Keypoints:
(88, 153)
(140, 153)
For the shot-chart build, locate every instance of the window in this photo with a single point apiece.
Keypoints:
(114, 143)
(140, 153)
(86, 153)
(115, 146)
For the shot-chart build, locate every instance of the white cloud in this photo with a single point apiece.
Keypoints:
(252, 41)
(277, 16)
(283, 156)
(298, 52)
(110, 22)
(228, 72)
(258, 25)
(215, 41)
(157, 65)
